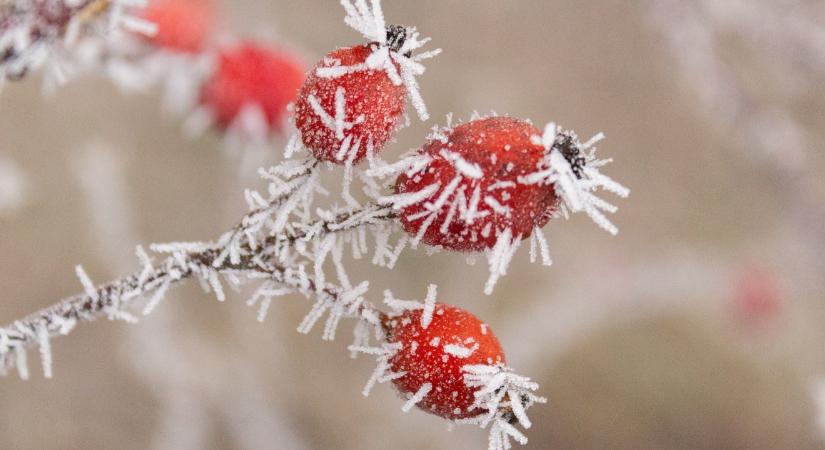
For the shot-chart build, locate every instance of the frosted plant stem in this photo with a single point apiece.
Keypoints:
(110, 298)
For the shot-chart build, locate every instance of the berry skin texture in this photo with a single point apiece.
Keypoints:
(250, 74)
(436, 355)
(183, 25)
(489, 198)
(372, 108)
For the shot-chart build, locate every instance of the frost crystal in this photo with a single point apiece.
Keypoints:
(505, 396)
(572, 167)
(382, 373)
(417, 397)
(499, 258)
(88, 286)
(400, 305)
(459, 351)
(429, 306)
(45, 350)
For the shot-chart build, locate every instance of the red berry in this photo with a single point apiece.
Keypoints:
(183, 25)
(252, 75)
(478, 166)
(758, 298)
(367, 110)
(436, 355)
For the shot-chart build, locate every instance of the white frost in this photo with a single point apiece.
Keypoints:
(499, 257)
(417, 397)
(382, 355)
(577, 191)
(429, 306)
(459, 351)
(502, 394)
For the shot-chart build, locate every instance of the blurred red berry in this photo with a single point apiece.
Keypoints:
(250, 74)
(183, 25)
(433, 357)
(477, 168)
(757, 296)
(340, 116)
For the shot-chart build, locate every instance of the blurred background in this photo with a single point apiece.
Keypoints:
(702, 325)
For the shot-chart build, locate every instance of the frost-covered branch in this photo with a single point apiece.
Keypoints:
(241, 250)
(481, 187)
(280, 246)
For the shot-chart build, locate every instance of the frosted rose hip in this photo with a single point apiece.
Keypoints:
(351, 110)
(436, 354)
(475, 175)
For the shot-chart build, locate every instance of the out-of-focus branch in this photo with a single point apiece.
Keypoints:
(783, 36)
(30, 30)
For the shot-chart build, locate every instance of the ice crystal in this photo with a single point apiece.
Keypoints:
(429, 306)
(417, 397)
(499, 257)
(460, 351)
(572, 168)
(382, 372)
(505, 398)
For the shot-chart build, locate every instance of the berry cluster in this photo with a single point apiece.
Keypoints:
(248, 85)
(484, 185)
(481, 186)
(239, 87)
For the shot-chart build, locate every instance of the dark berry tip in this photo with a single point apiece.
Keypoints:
(396, 37)
(7, 55)
(569, 147)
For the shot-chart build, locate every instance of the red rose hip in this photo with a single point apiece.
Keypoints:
(182, 25)
(341, 115)
(432, 358)
(472, 190)
(250, 74)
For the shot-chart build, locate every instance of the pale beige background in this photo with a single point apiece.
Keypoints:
(636, 339)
